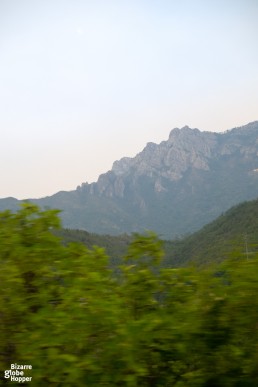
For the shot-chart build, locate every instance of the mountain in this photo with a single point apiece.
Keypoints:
(173, 188)
(234, 232)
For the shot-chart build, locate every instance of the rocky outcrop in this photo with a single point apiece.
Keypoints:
(185, 149)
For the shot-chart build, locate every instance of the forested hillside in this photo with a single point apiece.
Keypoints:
(234, 232)
(77, 322)
(115, 246)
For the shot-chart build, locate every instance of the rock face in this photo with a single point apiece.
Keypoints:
(185, 148)
(173, 188)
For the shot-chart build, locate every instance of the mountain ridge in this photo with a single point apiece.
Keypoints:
(173, 188)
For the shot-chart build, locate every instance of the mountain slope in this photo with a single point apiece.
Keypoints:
(234, 232)
(173, 188)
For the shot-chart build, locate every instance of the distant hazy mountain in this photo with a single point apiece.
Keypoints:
(173, 188)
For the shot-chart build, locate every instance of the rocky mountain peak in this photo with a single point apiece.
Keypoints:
(120, 167)
(179, 165)
(184, 148)
(173, 187)
(183, 132)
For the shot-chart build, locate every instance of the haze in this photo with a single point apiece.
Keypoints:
(84, 83)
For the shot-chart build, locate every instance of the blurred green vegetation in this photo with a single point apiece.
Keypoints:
(66, 312)
(114, 245)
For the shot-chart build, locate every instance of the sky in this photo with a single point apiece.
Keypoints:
(86, 82)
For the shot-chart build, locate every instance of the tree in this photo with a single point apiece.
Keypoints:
(78, 322)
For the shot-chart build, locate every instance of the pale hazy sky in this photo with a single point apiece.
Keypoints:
(86, 82)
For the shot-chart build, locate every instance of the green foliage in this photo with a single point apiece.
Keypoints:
(80, 323)
(235, 231)
(115, 246)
